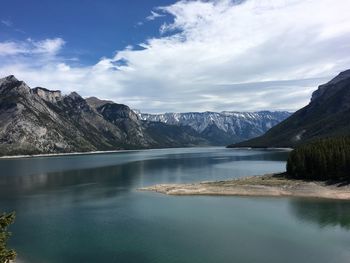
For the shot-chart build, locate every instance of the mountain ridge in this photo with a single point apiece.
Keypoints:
(222, 127)
(327, 115)
(38, 121)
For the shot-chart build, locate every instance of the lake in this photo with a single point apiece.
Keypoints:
(86, 208)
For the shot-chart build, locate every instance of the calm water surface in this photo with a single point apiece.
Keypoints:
(86, 209)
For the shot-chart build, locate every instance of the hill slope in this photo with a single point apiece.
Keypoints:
(327, 114)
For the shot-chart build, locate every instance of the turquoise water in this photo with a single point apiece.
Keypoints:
(86, 209)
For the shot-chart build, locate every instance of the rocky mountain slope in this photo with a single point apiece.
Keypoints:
(143, 133)
(38, 120)
(222, 128)
(327, 114)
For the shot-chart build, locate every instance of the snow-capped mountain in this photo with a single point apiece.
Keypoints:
(222, 127)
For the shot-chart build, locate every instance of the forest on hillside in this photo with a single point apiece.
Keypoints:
(322, 159)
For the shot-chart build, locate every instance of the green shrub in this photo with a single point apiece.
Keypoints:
(323, 159)
(6, 254)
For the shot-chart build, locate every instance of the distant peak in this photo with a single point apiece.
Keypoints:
(92, 98)
(12, 84)
(74, 95)
(9, 78)
(340, 77)
(345, 72)
(331, 85)
(95, 102)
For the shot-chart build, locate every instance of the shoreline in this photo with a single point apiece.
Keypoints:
(90, 152)
(62, 154)
(121, 151)
(269, 185)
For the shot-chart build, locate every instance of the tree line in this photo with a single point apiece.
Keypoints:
(322, 159)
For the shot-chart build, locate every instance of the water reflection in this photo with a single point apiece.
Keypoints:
(86, 209)
(77, 181)
(127, 174)
(322, 212)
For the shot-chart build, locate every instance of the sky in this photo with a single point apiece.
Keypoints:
(178, 56)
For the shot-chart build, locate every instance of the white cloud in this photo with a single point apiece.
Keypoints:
(48, 46)
(11, 48)
(30, 47)
(215, 55)
(154, 15)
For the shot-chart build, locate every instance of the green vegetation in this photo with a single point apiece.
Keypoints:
(6, 254)
(323, 159)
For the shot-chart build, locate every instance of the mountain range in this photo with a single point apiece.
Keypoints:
(38, 120)
(222, 128)
(327, 115)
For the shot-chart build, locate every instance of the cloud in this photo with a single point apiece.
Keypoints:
(11, 48)
(153, 16)
(10, 25)
(48, 46)
(30, 47)
(7, 23)
(214, 55)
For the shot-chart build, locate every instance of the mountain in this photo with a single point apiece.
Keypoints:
(327, 114)
(39, 120)
(145, 133)
(222, 128)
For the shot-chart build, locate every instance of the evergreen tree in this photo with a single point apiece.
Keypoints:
(323, 159)
(6, 254)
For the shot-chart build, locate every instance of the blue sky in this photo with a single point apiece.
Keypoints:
(92, 29)
(177, 56)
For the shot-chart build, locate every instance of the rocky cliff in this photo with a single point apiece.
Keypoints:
(38, 120)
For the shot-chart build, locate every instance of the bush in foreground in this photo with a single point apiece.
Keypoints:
(6, 254)
(323, 159)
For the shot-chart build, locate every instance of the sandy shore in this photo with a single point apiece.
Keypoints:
(267, 185)
(64, 154)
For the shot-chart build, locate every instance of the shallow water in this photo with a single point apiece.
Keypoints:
(86, 209)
